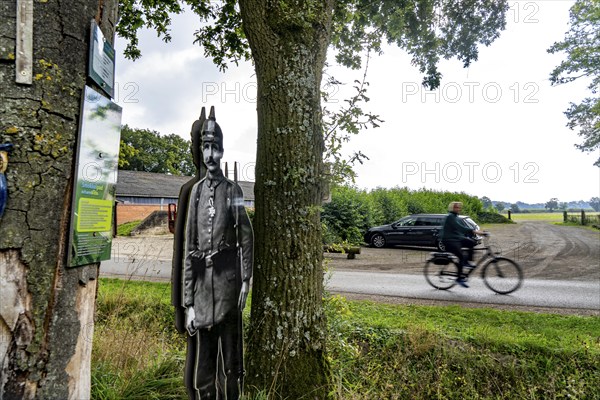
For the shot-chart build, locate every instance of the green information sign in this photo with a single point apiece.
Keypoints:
(96, 179)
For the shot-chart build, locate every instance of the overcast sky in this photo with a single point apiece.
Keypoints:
(495, 129)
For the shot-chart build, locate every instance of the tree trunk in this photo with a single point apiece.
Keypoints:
(286, 352)
(46, 309)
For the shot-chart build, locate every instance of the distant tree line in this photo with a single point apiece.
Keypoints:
(551, 205)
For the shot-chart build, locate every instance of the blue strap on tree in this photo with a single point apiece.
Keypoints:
(4, 149)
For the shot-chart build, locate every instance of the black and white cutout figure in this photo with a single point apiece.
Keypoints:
(217, 268)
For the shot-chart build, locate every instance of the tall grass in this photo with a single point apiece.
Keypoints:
(137, 353)
(376, 351)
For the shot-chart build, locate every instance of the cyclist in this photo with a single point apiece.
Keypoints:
(454, 236)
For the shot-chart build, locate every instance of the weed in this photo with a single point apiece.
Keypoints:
(126, 228)
(376, 351)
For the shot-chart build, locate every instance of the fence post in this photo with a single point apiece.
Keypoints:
(582, 217)
(564, 216)
(508, 214)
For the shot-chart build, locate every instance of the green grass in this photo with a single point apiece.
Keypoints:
(137, 353)
(547, 217)
(555, 217)
(126, 228)
(377, 351)
(419, 352)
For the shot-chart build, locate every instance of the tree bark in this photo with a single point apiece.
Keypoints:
(286, 345)
(46, 309)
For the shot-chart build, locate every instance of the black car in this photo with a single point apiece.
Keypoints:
(412, 230)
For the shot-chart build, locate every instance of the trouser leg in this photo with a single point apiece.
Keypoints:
(189, 373)
(455, 248)
(229, 359)
(206, 363)
(469, 245)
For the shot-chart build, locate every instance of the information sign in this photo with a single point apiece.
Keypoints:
(101, 64)
(96, 179)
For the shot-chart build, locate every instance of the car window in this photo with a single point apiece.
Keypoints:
(408, 221)
(425, 221)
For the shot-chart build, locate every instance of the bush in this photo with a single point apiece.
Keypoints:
(352, 211)
(349, 214)
(492, 218)
(126, 228)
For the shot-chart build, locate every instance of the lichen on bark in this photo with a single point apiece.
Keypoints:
(41, 121)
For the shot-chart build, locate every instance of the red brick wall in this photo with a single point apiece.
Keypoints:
(136, 212)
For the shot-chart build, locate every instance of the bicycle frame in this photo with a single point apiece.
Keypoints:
(504, 277)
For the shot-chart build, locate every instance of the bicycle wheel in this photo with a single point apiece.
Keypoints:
(441, 277)
(502, 275)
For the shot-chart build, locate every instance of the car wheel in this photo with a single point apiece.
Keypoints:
(440, 245)
(378, 241)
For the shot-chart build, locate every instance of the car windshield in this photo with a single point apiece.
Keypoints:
(471, 223)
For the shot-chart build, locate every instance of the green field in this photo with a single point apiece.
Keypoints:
(376, 351)
(547, 217)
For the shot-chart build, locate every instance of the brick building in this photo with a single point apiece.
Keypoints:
(141, 193)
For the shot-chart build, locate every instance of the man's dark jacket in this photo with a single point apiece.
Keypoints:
(454, 228)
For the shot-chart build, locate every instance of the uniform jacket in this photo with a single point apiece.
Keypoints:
(213, 291)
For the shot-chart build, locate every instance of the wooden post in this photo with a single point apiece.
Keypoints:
(508, 214)
(582, 217)
(564, 216)
(24, 56)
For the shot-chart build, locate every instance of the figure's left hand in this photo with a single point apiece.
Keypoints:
(190, 316)
(243, 295)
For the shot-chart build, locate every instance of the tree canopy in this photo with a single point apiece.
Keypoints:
(582, 48)
(487, 203)
(428, 30)
(500, 206)
(595, 203)
(146, 150)
(551, 204)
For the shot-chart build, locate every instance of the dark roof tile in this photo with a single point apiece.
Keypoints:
(150, 184)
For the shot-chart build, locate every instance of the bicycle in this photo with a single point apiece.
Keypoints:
(500, 274)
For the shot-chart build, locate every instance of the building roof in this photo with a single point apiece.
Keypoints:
(151, 184)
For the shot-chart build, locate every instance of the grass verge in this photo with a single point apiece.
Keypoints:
(137, 353)
(377, 351)
(126, 228)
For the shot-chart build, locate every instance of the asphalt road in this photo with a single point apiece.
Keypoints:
(545, 293)
(561, 266)
(533, 292)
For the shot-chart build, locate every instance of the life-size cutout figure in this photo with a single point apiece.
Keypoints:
(178, 252)
(217, 271)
